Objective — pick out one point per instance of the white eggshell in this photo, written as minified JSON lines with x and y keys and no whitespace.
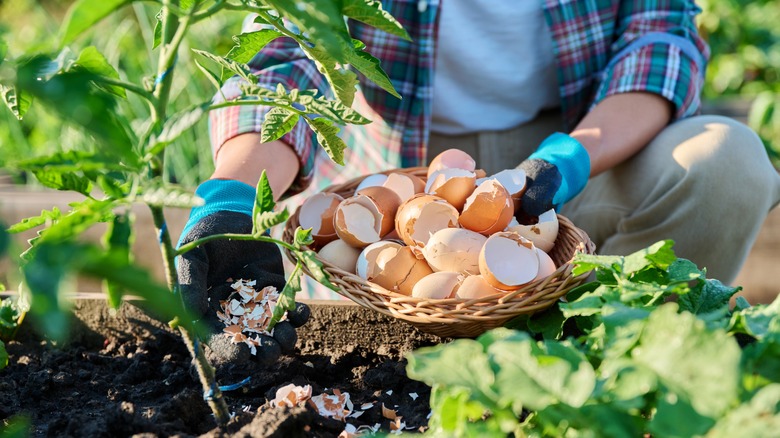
{"x":455,"y":250}
{"x":508,"y":261}
{"x":437,"y":285}
{"x":543,"y":233}
{"x":374,"y":180}
{"x":546,"y":265}
{"x":340,"y":254}
{"x":367,"y":260}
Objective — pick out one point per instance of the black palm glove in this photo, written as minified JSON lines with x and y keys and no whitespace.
{"x":556,"y":173}
{"x":207,"y":272}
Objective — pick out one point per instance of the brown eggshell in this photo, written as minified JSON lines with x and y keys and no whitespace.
{"x":387,"y":202}
{"x":340,"y":254}
{"x":367,"y":264}
{"x":455,"y":250}
{"x":317,"y":213}
{"x":404,"y":185}
{"x":454,"y":185}
{"x":438,"y":285}
{"x":402,"y":272}
{"x":475,"y":286}
{"x":373,"y":180}
{"x":546,"y":265}
{"x":451,"y":159}
{"x":488,"y":210}
{"x":508,"y":261}
{"x":421,"y":216}
{"x":358,"y":221}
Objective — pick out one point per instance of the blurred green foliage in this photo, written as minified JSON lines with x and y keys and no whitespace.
{"x":30,"y":26}
{"x":744,"y":37}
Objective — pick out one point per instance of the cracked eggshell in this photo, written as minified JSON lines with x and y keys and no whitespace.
{"x":508,"y":261}
{"x":543,"y":233}
{"x":340,"y":254}
{"x":404,"y":185}
{"x":374,"y":180}
{"x":368,"y":263}
{"x":438,"y":285}
{"x":317,"y":213}
{"x":513,"y":180}
{"x":366,"y":217}
{"x":402,"y":271}
{"x":546,"y":265}
{"x":455,"y":250}
{"x":475,"y":286}
{"x":488,"y":210}
{"x":451,"y":159}
{"x":454,"y":185}
{"x":421,"y":216}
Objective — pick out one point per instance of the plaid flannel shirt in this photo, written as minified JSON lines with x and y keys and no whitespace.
{"x":602,"y":47}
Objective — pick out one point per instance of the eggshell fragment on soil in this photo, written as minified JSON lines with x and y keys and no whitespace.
{"x":451,"y":159}
{"x":508,"y":261}
{"x":438,"y":285}
{"x":366,"y":217}
{"x":247,"y":312}
{"x":368,"y":263}
{"x":543,"y":233}
{"x":489,"y":209}
{"x":402,"y":271}
{"x":454,"y":185}
{"x":340,"y":254}
{"x":291,"y":396}
{"x":455,"y":250}
{"x":421,"y":216}
{"x":337,"y":406}
{"x":317,"y":213}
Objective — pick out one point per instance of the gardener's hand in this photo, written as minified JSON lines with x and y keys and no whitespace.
{"x":556,"y":172}
{"x":206,"y":272}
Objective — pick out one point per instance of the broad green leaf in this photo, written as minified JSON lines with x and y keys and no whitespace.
{"x":264,"y":200}
{"x":696,"y":364}
{"x":342,"y":81}
{"x":588,"y":304}
{"x":159,"y":194}
{"x":175,"y":126}
{"x":327,"y":136}
{"x":587,"y":262}
{"x":249,"y":44}
{"x":548,"y":323}
{"x":371,"y":13}
{"x":675,"y":417}
{"x":94,"y":62}
{"x":758,"y":418}
{"x":709,"y":296}
{"x":278,"y":122}
{"x":594,"y":420}
{"x":760,"y":365}
{"x":369,"y":66}
{"x":269,"y":219}
{"x":84,"y":14}
{"x":761,"y":322}
{"x":659,"y":254}
{"x":31,"y":222}
{"x":286,"y":300}
{"x":3,"y":356}
{"x":118,"y":239}
{"x":684,"y":270}
{"x":18,"y":101}
{"x":229,"y":66}
{"x":64,"y":181}
{"x":333,"y":110}
{"x":309,"y":259}
{"x":83,"y":215}
{"x":625,"y":384}
{"x":321,"y":22}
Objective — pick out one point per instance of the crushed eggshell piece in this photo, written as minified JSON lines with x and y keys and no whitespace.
{"x":247,"y":312}
{"x":413,"y":395}
{"x":291,"y":395}
{"x":337,"y":406}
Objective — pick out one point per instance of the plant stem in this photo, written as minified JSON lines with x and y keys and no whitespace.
{"x":127,"y":86}
{"x":196,"y":243}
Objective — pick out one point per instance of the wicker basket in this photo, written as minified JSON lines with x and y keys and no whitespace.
{"x":458,"y":317}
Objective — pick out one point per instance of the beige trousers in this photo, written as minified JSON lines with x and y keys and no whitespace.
{"x":705,"y":182}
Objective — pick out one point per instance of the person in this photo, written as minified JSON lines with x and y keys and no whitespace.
{"x":598,"y":101}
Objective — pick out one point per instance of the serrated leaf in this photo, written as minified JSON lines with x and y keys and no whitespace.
{"x":342,"y":81}
{"x":316,"y":270}
{"x":176,"y":125}
{"x":18,"y":101}
{"x":211,"y":76}
{"x":278,"y":122}
{"x":31,"y":222}
{"x":249,"y":44}
{"x":264,"y":197}
{"x":83,"y":215}
{"x":94,"y":62}
{"x":302,"y":237}
{"x":371,"y":13}
{"x":333,"y":110}
{"x":69,"y":161}
{"x":64,"y":181}
{"x":327,"y":136}
{"x":369,"y":66}
{"x":684,"y":270}
{"x":118,"y":239}
{"x":286,"y":300}
{"x":659,"y":255}
{"x":266,"y":220}
{"x":84,"y":14}
{"x":229,"y":66}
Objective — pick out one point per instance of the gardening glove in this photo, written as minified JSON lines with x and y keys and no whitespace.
{"x":206,"y":272}
{"x":556,"y":172}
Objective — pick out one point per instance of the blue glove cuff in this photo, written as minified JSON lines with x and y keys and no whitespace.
{"x":221,"y":195}
{"x":572,"y":161}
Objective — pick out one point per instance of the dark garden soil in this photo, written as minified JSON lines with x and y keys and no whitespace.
{"x":128,"y":374}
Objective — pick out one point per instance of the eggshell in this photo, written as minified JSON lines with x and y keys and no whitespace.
{"x":402,"y":271}
{"x":404,"y":185}
{"x":508,"y":261}
{"x":488,"y":210}
{"x":451,"y":159}
{"x":437,"y":285}
{"x":454,"y":249}
{"x":513,"y":180}
{"x":367,"y":264}
{"x":387,"y":202}
{"x":421,"y":216}
{"x":340,"y":254}
{"x":454,"y":185}
{"x":546,"y":265}
{"x":475,"y":286}
{"x":373,"y":180}
{"x":543,"y":233}
{"x":317,"y":213}
{"x":366,"y":217}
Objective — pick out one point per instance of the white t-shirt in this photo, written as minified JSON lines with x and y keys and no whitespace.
{"x":495,"y":67}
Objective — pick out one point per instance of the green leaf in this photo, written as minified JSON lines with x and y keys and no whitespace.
{"x":18,"y":101}
{"x":118,"y":239}
{"x":43,"y":275}
{"x":278,"y":121}
{"x":759,"y":418}
{"x":269,"y":219}
{"x":249,"y":44}
{"x":309,"y":259}
{"x":369,"y":66}
{"x":327,"y":136}
{"x":16,"y":427}
{"x":70,"y":161}
{"x":761,"y":110}
{"x":684,"y":270}
{"x":587,"y":262}
{"x":333,"y":110}
{"x":229,"y":66}
{"x":83,"y":215}
{"x":286,"y":300}
{"x":264,"y":199}
{"x":94,"y":62}
{"x":343,"y":81}
{"x":64,"y":181}
{"x":371,"y":13}
{"x":302,"y":238}
{"x":157,"y":193}
{"x":675,"y":417}
{"x":709,"y":296}
{"x":157,"y":39}
{"x":211,"y":76}
{"x":659,"y":254}
{"x":3,"y":359}
{"x":83,"y":14}
{"x":52,"y":215}
{"x":760,"y":365}
{"x":761,"y":322}
{"x":175,"y":126}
